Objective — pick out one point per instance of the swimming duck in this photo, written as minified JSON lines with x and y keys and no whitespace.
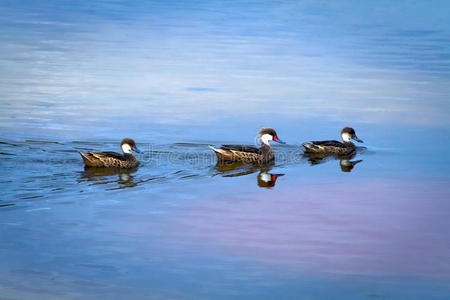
{"x":248,"y":154}
{"x":334,"y":147}
{"x":113,"y":159}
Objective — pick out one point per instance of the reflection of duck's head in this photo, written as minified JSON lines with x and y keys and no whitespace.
{"x":267,"y":180}
{"x":125,"y":177}
{"x":347,"y":165}
{"x":267,"y":134}
{"x":348,"y":134}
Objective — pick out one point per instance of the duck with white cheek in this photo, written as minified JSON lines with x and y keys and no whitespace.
{"x":334,"y":147}
{"x":249,"y":154}
{"x":113,"y":159}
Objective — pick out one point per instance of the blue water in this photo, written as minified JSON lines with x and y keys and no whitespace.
{"x":178,"y":76}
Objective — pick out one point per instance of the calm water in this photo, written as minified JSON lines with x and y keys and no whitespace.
{"x":181,"y":75}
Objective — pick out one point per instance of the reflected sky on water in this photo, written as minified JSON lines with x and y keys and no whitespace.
{"x":182,"y":63}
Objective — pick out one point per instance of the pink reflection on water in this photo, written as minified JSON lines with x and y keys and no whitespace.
{"x":382,"y":227}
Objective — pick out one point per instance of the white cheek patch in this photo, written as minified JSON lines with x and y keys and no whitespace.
{"x":265,"y":138}
{"x":265,"y":177}
{"x":346,"y":137}
{"x":126,"y":148}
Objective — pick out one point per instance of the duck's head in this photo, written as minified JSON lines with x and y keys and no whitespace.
{"x":268,"y":134}
{"x":128,"y":145}
{"x":349,"y":133}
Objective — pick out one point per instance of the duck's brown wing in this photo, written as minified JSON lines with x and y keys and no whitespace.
{"x":246,"y":154}
{"x":107,"y":154}
{"x":327,"y":148}
{"x":102,"y":159}
{"x":109,"y":160}
{"x":319,"y":146}
{"x":328,"y":143}
{"x":240,"y":148}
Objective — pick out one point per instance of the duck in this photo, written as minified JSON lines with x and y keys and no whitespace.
{"x":249,"y":154}
{"x":113,"y":159}
{"x":334,"y":147}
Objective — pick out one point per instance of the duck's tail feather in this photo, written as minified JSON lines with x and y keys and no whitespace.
{"x":217,"y":151}
{"x":222,"y":154}
{"x":88,"y":159}
{"x":309,"y":146}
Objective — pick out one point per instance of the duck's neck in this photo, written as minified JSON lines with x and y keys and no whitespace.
{"x":265,"y":148}
{"x":346,"y":139}
{"x":127,"y":152}
{"x":267,"y":152}
{"x":349,"y":144}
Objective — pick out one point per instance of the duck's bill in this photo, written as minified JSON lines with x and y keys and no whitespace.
{"x":135,"y":149}
{"x":276,"y":139}
{"x":357,"y":139}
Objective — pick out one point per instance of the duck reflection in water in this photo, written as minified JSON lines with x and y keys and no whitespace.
{"x":97,"y":176}
{"x":235,"y":169}
{"x":345,"y":161}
